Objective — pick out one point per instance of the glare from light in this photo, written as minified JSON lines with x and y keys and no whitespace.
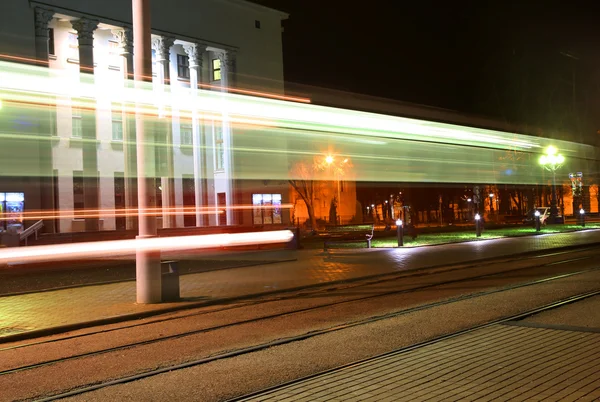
{"x":329,"y":159}
{"x":582,"y":211}
{"x":122,"y":248}
{"x":477,"y":217}
{"x":537,"y":213}
{"x":399,"y":222}
{"x":469,"y":200}
{"x":491,"y":195}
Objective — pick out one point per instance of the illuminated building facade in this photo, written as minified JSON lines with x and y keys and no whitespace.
{"x":218,"y":45}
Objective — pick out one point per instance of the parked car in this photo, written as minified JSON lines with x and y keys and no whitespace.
{"x":530,"y":216}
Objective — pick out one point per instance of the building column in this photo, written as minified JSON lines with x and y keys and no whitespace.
{"x":162,"y":46}
{"x":125,"y":39}
{"x":195,"y":52}
{"x":228,"y":67}
{"x":46,"y":176}
{"x":85,"y":36}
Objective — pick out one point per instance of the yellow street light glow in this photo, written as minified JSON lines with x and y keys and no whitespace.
{"x":329,"y":159}
{"x":551,"y":160}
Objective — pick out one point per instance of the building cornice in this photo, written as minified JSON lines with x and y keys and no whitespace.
{"x":258,"y":7}
{"x":126,"y":24}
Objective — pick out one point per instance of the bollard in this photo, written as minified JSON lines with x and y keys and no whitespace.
{"x":582,"y":214}
{"x":537,"y":221}
{"x":170,"y":281}
{"x":400,"y":232}
{"x":478,"y":225}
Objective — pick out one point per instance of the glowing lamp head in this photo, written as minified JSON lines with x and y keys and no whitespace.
{"x":537,"y":213}
{"x":582,"y":211}
{"x":398,"y":222}
{"x":551,"y":150}
{"x":372,"y":205}
{"x":491,"y":195}
{"x":329,"y":159}
{"x":469,"y":200}
{"x":477,"y":217}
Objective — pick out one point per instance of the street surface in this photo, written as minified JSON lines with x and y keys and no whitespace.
{"x":303,"y":332}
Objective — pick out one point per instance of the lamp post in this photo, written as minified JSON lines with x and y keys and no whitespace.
{"x":552,"y":161}
{"x":478,"y":225}
{"x":492,"y":202}
{"x":399,"y":232}
{"x":582,"y":215}
{"x":537,"y":221}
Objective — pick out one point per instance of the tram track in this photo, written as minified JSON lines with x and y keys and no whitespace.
{"x":312,"y":334}
{"x":312,"y":309}
{"x":311,"y":291}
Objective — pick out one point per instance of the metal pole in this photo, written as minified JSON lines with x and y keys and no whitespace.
{"x":148,"y":274}
{"x":553,"y":203}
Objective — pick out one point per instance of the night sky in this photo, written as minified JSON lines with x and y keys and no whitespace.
{"x":496,"y":58}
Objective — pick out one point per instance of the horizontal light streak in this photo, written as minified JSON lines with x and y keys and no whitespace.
{"x":120,"y":212}
{"x":285,"y":114}
{"x":120,"y":248}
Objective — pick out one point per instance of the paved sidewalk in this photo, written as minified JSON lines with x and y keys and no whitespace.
{"x":501,"y":362}
{"x":35,"y":312}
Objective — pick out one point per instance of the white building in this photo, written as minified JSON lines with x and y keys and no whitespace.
{"x":220,"y":45}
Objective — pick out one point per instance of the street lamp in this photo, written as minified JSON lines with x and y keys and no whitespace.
{"x":478,"y":225}
{"x":492,"y":202}
{"x":537,"y":220}
{"x":399,"y":232}
{"x":552,"y":161}
{"x":582,"y":214}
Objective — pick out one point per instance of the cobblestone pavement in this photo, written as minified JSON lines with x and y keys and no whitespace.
{"x":502,"y":362}
{"x":37,"y":311}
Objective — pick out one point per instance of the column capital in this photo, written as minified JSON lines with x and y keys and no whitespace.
{"x":42,"y":18}
{"x":162,"y":46}
{"x":124,"y":37}
{"x":85,"y":30}
{"x":228,"y":59}
{"x":194,"y":52}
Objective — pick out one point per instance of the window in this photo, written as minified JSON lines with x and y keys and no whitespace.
{"x":117,"y":123}
{"x":51,"y":49}
{"x":219,"y":148}
{"x":78,"y":204}
{"x":266,"y":209}
{"x":119,"y":183}
{"x":183,"y":66}
{"x":185,"y":131}
{"x":216,"y":67}
{"x":189,"y":200}
{"x":77,"y":129}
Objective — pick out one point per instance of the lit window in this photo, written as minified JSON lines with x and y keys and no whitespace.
{"x":266,"y":209}
{"x":216,"y":66}
{"x":219,"y":148}
{"x":185,"y":131}
{"x":77,"y":130}
{"x":183,"y":66}
{"x":117,"y":123}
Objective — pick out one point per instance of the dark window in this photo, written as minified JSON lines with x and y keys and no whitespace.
{"x":189,"y":201}
{"x":51,"y":41}
{"x":222,"y":201}
{"x":119,"y":201}
{"x":78,"y":204}
{"x":257,"y":24}
{"x":183,"y":66}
